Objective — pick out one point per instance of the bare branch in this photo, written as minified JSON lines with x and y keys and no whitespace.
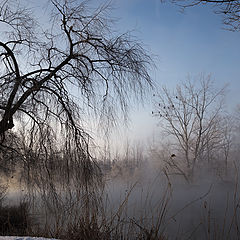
{"x":229,"y":9}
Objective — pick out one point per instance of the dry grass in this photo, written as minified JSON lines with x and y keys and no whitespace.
{"x":67,"y":214}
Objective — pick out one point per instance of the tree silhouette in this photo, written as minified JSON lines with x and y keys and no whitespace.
{"x":192,"y":116}
{"x":60,"y":67}
{"x":229,"y":9}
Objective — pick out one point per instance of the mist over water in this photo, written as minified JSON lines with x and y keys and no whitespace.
{"x":146,"y":197}
{"x":206,"y":208}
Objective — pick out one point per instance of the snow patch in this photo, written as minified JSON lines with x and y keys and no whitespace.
{"x":25,"y":238}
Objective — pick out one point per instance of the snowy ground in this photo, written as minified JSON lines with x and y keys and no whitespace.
{"x":24,"y":238}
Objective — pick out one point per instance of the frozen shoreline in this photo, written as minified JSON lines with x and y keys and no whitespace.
{"x":24,"y":238}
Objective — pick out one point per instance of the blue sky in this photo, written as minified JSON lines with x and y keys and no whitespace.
{"x":186,"y":43}
{"x":192,"y":42}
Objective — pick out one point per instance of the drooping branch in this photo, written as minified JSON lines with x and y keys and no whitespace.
{"x":70,"y":67}
{"x":229,"y":9}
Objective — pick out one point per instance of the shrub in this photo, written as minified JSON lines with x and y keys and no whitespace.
{"x":14,"y":220}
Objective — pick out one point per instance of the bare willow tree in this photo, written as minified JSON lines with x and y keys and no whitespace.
{"x":58,"y":68}
{"x":229,"y":9}
{"x":191,"y":115}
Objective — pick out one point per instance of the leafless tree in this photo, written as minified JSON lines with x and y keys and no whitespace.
{"x":229,"y":9}
{"x":227,"y":140}
{"x":191,"y":115}
{"x":60,"y":67}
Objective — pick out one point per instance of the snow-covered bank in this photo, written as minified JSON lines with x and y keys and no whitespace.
{"x":25,"y":238}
